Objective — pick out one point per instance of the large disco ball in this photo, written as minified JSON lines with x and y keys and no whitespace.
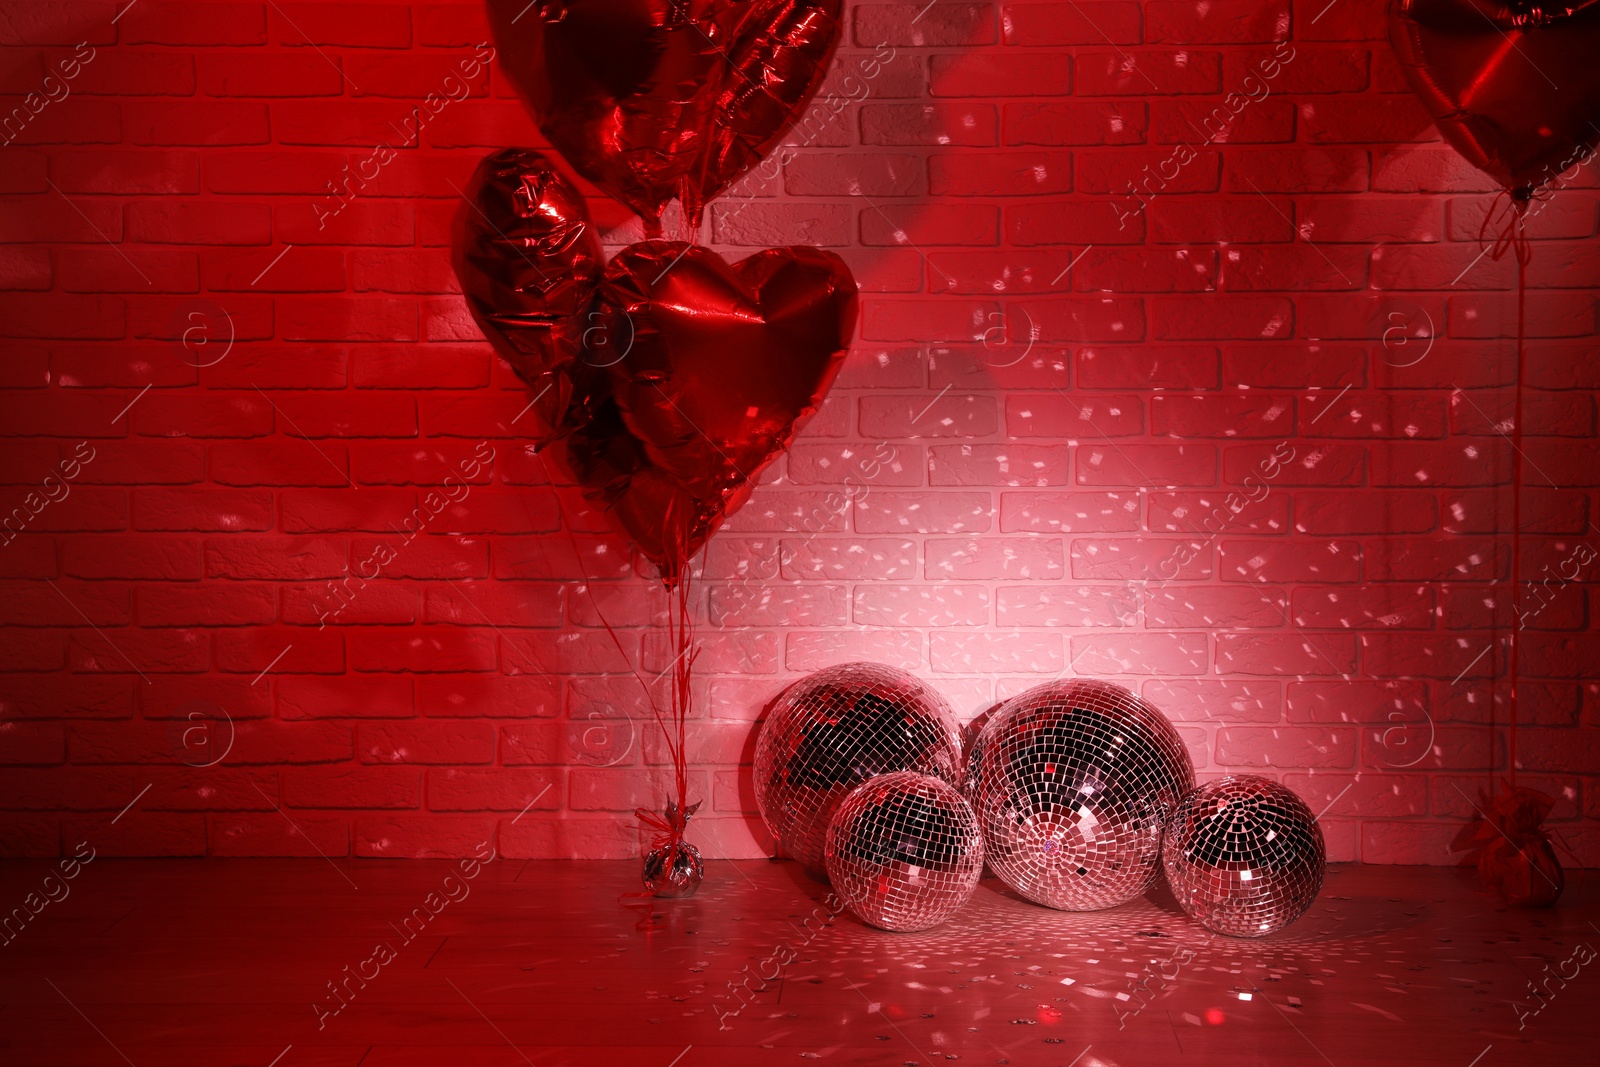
{"x":1072,"y":783}
{"x":904,"y":851}
{"x":833,"y":730}
{"x":1244,"y":855}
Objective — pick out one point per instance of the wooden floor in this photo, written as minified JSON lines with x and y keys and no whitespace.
{"x":168,"y":963}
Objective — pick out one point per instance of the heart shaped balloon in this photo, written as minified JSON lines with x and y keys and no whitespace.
{"x":655,"y":99}
{"x":1514,"y":86}
{"x":713,"y":368}
{"x":529,"y":261}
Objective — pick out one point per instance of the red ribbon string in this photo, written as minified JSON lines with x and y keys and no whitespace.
{"x":1513,"y":237}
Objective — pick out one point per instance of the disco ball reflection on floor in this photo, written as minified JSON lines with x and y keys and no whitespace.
{"x":834,"y":729}
{"x":1072,"y":782}
{"x":904,"y":851}
{"x":1244,"y":855}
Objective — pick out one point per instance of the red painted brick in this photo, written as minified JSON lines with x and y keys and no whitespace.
{"x":995,"y":558}
{"x":352,"y":787}
{"x":971,"y":125}
{"x":902,"y":513}
{"x":43,"y":696}
{"x":140,"y":652}
{"x":926,"y":320}
{"x":903,"y":606}
{"x":425,"y":742}
{"x":1069,"y":512}
{"x":186,"y":605}
{"x":131,"y":557}
{"x":995,"y":173}
{"x":854,"y":466}
{"x":1098,"y":318}
{"x":297,"y":558}
{"x":1138,"y":654}
{"x":1085,"y":123}
{"x":1271,"y":366}
{"x":983,"y":653}
{"x":1380,"y":118}
{"x":950,"y":24}
{"x":1408,"y":607}
{"x":1369,"y":512}
{"x":263,"y":652}
{"x":1308,"y":464}
{"x":1570,"y":215}
{"x":914,"y":416}
{"x":1283,"y":561}
{"x":278,"y":462}
{"x":1204,"y":221}
{"x":428,"y":556}
{"x":935,"y":224}
{"x":1194,"y":700}
{"x":847,"y":175}
{"x":1176,"y":21}
{"x":330,"y":603}
{"x":1008,"y":465}
{"x":1212,"y":513}
{"x":41,"y":744}
{"x":1146,"y":465}
{"x":1146,"y":366}
{"x":1075,"y":296}
{"x":1295,"y":654}
{"x":1231,"y":120}
{"x":760,"y":225}
{"x":375,"y":697}
{"x":1136,"y":559}
{"x":362,"y":25}
{"x":160,"y":22}
{"x":1134,"y":73}
{"x":1268,"y":268}
{"x":987,"y":75}
{"x":1065,"y":606}
{"x":32,"y":650}
{"x":1095,"y":23}
{"x":1142,"y":171}
{"x":1237,"y":415}
{"x":24,"y":268}
{"x":841,"y":559}
{"x":1194,"y":317}
{"x":1257,"y":746}
{"x":1215,"y":607}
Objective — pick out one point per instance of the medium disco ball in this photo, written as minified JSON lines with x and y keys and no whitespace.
{"x":1072,"y":783}
{"x":1244,"y":855}
{"x":833,"y":730}
{"x":904,"y":851}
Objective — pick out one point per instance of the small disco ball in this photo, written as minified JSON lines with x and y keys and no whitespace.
{"x":1244,"y":855}
{"x":833,"y":730}
{"x":1072,"y":783}
{"x":904,"y":851}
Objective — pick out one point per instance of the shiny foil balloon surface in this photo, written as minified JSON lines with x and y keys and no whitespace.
{"x":834,"y":729}
{"x":673,"y":870}
{"x":713,"y":367}
{"x":1072,"y":783}
{"x":655,"y":99}
{"x":1244,"y":855}
{"x":904,"y":851}
{"x":529,"y":262}
{"x":1514,"y":87}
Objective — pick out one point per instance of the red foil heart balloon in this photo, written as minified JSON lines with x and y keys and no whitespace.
{"x":713,"y":369}
{"x":655,"y":99}
{"x":529,"y":262}
{"x":1514,"y":86}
